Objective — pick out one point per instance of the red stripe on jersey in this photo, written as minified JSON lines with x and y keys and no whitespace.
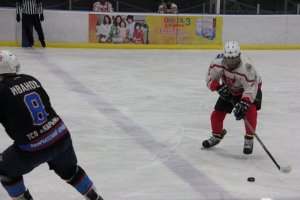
{"x":224,"y":68}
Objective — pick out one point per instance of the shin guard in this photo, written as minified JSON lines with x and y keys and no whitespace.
{"x":14,"y":186}
{"x":80,"y":181}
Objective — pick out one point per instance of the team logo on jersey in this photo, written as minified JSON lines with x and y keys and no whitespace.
{"x":229,"y":81}
{"x":248,"y":67}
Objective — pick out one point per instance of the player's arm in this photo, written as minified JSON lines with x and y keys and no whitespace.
{"x":95,"y":7}
{"x":213,"y":81}
{"x":161,"y":9}
{"x":174,"y":9}
{"x":213,"y":75}
{"x":110,"y":8}
{"x":18,"y":10}
{"x":250,"y":84}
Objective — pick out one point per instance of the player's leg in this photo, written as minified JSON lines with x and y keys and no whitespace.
{"x":11,"y":175}
{"x":65,"y":165}
{"x":15,"y":187}
{"x":26,"y":23}
{"x":218,"y":133}
{"x":77,"y":177}
{"x":217,"y":117}
{"x":38,"y":27}
{"x":251,"y":117}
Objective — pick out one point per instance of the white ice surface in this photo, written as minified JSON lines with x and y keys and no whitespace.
{"x":138,"y":118}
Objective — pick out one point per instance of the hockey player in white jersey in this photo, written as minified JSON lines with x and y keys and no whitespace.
{"x":233,"y":76}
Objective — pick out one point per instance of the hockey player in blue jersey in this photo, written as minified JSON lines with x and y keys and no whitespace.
{"x":39,"y":134}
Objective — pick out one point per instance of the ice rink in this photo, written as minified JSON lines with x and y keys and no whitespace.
{"x":138,"y":118}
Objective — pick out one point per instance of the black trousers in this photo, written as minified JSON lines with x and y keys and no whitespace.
{"x":27,"y":20}
{"x":226,"y":106}
{"x":15,"y":163}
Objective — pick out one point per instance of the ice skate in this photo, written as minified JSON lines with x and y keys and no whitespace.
{"x":92,"y":195}
{"x":25,"y":196}
{"x":248,"y":144}
{"x":214,"y":139}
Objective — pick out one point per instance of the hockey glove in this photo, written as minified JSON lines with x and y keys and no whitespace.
{"x":18,"y":18}
{"x":224,"y":92}
{"x":241,"y":109}
{"x":42,"y":17}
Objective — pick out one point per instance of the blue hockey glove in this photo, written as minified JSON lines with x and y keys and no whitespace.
{"x":241,"y":109}
{"x":224,"y":92}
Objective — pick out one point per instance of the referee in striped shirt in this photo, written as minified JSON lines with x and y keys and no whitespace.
{"x":32,"y":13}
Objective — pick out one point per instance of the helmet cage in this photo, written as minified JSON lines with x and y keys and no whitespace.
{"x":232,"y":62}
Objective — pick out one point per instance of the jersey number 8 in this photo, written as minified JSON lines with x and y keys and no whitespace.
{"x":36,"y":108}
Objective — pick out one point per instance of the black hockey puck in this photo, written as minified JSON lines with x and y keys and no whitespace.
{"x":251,"y":179}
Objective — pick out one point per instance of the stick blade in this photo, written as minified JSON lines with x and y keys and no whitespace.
{"x":287,"y":169}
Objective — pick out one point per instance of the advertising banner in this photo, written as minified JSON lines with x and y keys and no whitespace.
{"x":155,"y":29}
{"x":118,"y":29}
{"x":201,"y":30}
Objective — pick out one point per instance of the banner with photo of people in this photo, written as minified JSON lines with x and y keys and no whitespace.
{"x":118,"y":29}
{"x":155,"y":29}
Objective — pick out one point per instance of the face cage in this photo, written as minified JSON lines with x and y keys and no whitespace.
{"x":232,"y":62}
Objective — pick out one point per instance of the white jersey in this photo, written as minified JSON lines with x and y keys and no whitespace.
{"x":163,"y":9}
{"x":98,"y":7}
{"x":243,"y":80}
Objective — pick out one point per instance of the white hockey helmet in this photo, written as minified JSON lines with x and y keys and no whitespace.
{"x":9,"y":64}
{"x":231,"y":53}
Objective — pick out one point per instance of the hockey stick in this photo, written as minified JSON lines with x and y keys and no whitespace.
{"x":281,"y":169}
